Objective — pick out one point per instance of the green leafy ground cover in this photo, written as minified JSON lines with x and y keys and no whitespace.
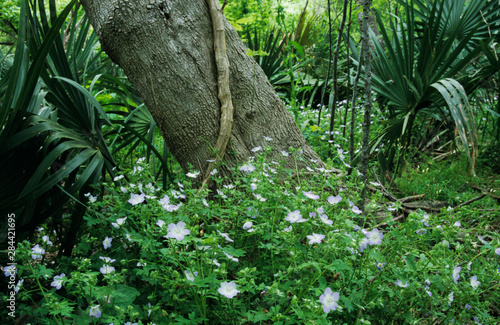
{"x":271,"y":246}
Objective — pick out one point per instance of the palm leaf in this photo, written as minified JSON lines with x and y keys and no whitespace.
{"x":458,"y":103}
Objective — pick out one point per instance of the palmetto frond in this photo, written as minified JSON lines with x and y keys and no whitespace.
{"x":416,"y":70}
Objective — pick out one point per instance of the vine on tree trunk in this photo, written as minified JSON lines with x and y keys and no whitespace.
{"x":224,"y":93}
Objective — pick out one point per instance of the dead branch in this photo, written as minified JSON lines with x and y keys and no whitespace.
{"x":470,"y":201}
{"x":412,"y":198}
{"x":487,"y":191}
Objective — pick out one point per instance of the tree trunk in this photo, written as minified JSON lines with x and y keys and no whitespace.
{"x":166,"y":48}
{"x":365,"y":148}
{"x":332,"y":104}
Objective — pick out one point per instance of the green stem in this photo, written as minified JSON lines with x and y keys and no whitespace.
{"x":305,"y":289}
{"x":41,"y":287}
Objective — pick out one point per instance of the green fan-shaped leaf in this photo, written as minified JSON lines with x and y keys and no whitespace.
{"x":458,"y":103}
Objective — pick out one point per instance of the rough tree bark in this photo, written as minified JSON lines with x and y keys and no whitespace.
{"x":166,"y":48}
{"x":365,"y":148}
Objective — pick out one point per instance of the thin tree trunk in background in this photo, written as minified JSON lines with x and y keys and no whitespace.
{"x":329,"y":62}
{"x":335,"y":87}
{"x":365,"y":149}
{"x":166,"y":48}
{"x":348,"y":68}
{"x":498,"y":109}
{"x":354,"y":106}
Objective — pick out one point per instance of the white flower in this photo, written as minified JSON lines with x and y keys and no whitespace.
{"x":323,"y":216}
{"x":177,"y":194}
{"x":259,"y":197}
{"x":329,"y":300}
{"x":334,"y":199}
{"x":107,"y":242}
{"x":190,"y":275}
{"x":400,"y":284}
{"x":215,"y":262}
{"x":474,"y":283}
{"x":193,"y":175}
{"x":117,"y":178}
{"x":284,"y":153}
{"x":177,"y":231}
{"x":362,"y":244}
{"x":222,"y":195}
{"x":268,"y":138}
{"x":356,"y":210}
{"x":92,"y":199}
{"x":247,"y":168}
{"x":136,"y":198}
{"x":151,"y":188}
{"x":247,"y":225}
{"x":37,"y":252}
{"x":46,"y":240}
{"x":119,"y":222}
{"x":18,"y":285}
{"x":228,"y":289}
{"x":107,"y":259}
{"x":295,"y":216}
{"x":310,"y":195}
{"x":58,"y":280}
{"x":171,"y":207}
{"x":324,"y":219}
{"x":160,"y":223}
{"x":256,"y":149}
{"x":315,"y":238}
{"x":95,"y":312}
{"x":234,"y":259}
{"x":106,"y":269}
{"x":421,"y":231}
{"x":425,"y":219}
{"x":374,"y":237}
{"x":253,"y":186}
{"x":450,"y":298}
{"x":456,"y":273}
{"x":225,"y":235}
{"x":165,"y":200}
{"x":457,"y":224}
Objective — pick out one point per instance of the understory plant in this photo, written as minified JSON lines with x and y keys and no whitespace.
{"x":269,"y":246}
